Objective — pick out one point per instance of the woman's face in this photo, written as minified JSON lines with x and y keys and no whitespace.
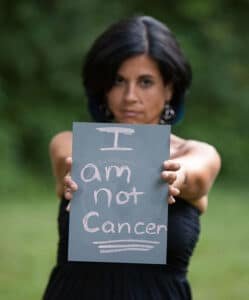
{"x":139,"y":94}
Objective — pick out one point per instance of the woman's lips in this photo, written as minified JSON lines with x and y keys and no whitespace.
{"x":130,"y":113}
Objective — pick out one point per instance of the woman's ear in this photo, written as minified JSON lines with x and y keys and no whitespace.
{"x":168,"y":92}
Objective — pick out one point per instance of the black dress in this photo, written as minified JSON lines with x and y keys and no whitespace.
{"x":105,"y":281}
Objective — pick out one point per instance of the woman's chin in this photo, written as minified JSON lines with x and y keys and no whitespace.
{"x":129,"y":120}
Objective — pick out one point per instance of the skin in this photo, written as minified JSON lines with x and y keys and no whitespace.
{"x":139,"y":93}
{"x":138,"y":97}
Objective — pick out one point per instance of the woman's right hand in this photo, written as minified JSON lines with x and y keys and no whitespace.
{"x":70,"y":186}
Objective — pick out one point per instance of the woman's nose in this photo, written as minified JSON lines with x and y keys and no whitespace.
{"x":131,"y":93}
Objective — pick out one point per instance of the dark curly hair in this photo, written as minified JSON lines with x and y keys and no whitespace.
{"x":127,"y":38}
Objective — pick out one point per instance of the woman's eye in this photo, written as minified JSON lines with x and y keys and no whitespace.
{"x":118,"y":80}
{"x":146,"y":82}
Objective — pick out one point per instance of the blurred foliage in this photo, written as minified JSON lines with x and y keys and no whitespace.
{"x":42,"y":46}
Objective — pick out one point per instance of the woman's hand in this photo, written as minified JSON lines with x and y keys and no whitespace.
{"x":69,"y":185}
{"x":171,"y":174}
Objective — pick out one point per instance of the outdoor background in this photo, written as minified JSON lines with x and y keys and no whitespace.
{"x":42,"y":47}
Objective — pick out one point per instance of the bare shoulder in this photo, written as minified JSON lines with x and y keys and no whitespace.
{"x":185,"y":145}
{"x":61,"y":144}
{"x":178,"y":146}
{"x":201,"y":163}
{"x":204,"y":149}
{"x":63,"y":136}
{"x":196,"y":154}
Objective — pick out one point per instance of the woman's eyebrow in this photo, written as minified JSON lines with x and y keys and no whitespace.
{"x":120,"y":75}
{"x":147,"y":75}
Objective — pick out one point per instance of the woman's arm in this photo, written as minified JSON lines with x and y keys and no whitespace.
{"x":199,"y":164}
{"x":59,"y":149}
{"x":60,"y":153}
{"x":190,"y":172}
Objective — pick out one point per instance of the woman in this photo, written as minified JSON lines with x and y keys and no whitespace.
{"x":136,"y":73}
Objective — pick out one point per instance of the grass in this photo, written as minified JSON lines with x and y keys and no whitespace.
{"x":28,"y":244}
{"x":219,"y":268}
{"x":28,"y":231}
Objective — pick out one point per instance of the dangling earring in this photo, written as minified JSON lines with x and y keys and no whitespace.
{"x":168,"y":114}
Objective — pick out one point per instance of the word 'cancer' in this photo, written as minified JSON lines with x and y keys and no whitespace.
{"x":139,"y":228}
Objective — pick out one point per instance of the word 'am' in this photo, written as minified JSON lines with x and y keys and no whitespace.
{"x":90,"y":172}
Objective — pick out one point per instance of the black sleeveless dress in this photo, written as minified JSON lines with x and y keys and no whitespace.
{"x":106,"y":281}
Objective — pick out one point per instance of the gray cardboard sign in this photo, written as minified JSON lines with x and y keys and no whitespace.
{"x":119,"y":212}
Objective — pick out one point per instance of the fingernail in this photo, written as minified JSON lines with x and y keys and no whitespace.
{"x":165,"y":163}
{"x":172,"y":200}
{"x":67,"y":195}
{"x":177,"y":191}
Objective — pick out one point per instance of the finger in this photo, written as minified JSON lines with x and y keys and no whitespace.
{"x":74,"y":186}
{"x":170,"y":177}
{"x":69,"y":183}
{"x":68,"y":163}
{"x":171,"y":165}
{"x":171,"y":200}
{"x":68,"y":194}
{"x":173,"y":191}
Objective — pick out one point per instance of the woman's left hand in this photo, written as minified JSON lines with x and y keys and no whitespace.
{"x":170,"y":175}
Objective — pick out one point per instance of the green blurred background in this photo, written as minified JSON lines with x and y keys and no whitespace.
{"x":42,"y":47}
